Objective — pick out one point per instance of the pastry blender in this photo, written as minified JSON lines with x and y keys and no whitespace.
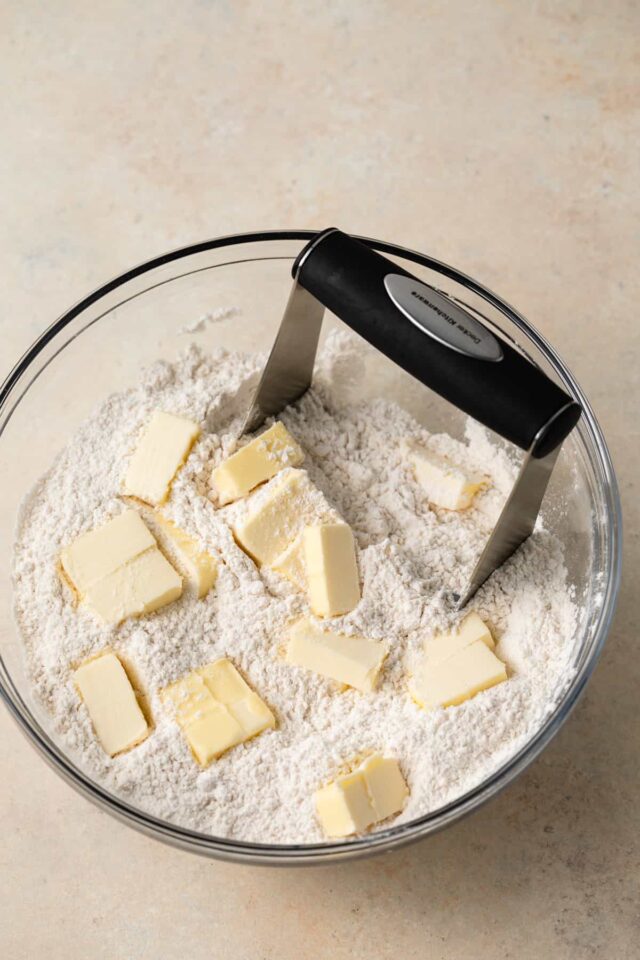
{"x":438,"y":342}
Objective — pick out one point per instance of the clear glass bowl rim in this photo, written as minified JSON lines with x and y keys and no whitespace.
{"x":385,"y":840}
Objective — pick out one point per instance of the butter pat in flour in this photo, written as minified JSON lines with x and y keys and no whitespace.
{"x":468,"y":671}
{"x":142,"y":586}
{"x":291,"y":564}
{"x":258,"y":461}
{"x":331,"y":568}
{"x":354,"y":661}
{"x":118,"y":571}
{"x":386,"y":785}
{"x":111,"y":702}
{"x":277,"y":515}
{"x":344,"y":806}
{"x":162,"y":449}
{"x":445,"y":484}
{"x":216,"y":710}
{"x":230,"y":689}
{"x":373,"y":792}
{"x":444,"y":645}
{"x":94,"y":555}
{"x":201,"y":567}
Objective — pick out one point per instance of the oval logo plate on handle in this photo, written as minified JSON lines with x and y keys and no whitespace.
{"x":440,"y":318}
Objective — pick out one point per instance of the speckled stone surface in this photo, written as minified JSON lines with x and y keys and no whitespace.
{"x":500,"y":137}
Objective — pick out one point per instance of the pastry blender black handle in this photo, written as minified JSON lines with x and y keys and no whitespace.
{"x":435,"y":340}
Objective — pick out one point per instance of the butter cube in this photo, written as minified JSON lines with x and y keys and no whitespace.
{"x":224,"y":682}
{"x":255,"y":463}
{"x":373,"y":792}
{"x":449,"y":682}
{"x":212,"y":732}
{"x":216,"y":710}
{"x":118,"y":570}
{"x":344,"y":806}
{"x":387,"y":787}
{"x":353,"y":661}
{"x":444,"y":645}
{"x":291,"y":564}
{"x":143,"y":585}
{"x":210,"y":728}
{"x":116,"y":716}
{"x":201,"y":567}
{"x":161,"y":451}
{"x":98,"y":553}
{"x":189,"y":697}
{"x":445,"y":484}
{"x":332,"y":569}
{"x":287,"y":505}
{"x":228,"y":687}
{"x":252,"y":714}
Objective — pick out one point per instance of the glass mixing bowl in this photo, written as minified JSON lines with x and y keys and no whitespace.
{"x":99,"y":346}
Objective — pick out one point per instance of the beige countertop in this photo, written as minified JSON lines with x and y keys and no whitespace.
{"x":500,"y":137}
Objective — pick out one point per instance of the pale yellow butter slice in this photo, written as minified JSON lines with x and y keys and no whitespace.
{"x":445,"y":484}
{"x":216,"y":710}
{"x":224,"y":682}
{"x":444,"y":645}
{"x":287,"y":505}
{"x":291,"y":564}
{"x":386,"y":785}
{"x":201,"y":567}
{"x":213,"y":732}
{"x":189,"y":697}
{"x":461,"y":676}
{"x":116,"y":716}
{"x":252,"y":714}
{"x":262,"y":458}
{"x":161,"y":451}
{"x":141,"y":586}
{"x":118,"y":570}
{"x":98,"y":553}
{"x":210,"y":728}
{"x":373,"y":792}
{"x":229,"y":688}
{"x":354,"y":661}
{"x":344,"y":806}
{"x":332,"y":570}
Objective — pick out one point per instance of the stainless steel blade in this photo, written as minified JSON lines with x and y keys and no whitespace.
{"x":515,"y":523}
{"x":289,"y":369}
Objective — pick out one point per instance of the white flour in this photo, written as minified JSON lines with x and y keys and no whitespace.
{"x":409,"y":556}
{"x":212,"y":316}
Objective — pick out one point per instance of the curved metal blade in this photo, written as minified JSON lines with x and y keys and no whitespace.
{"x":515,"y":523}
{"x":289,"y":369}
